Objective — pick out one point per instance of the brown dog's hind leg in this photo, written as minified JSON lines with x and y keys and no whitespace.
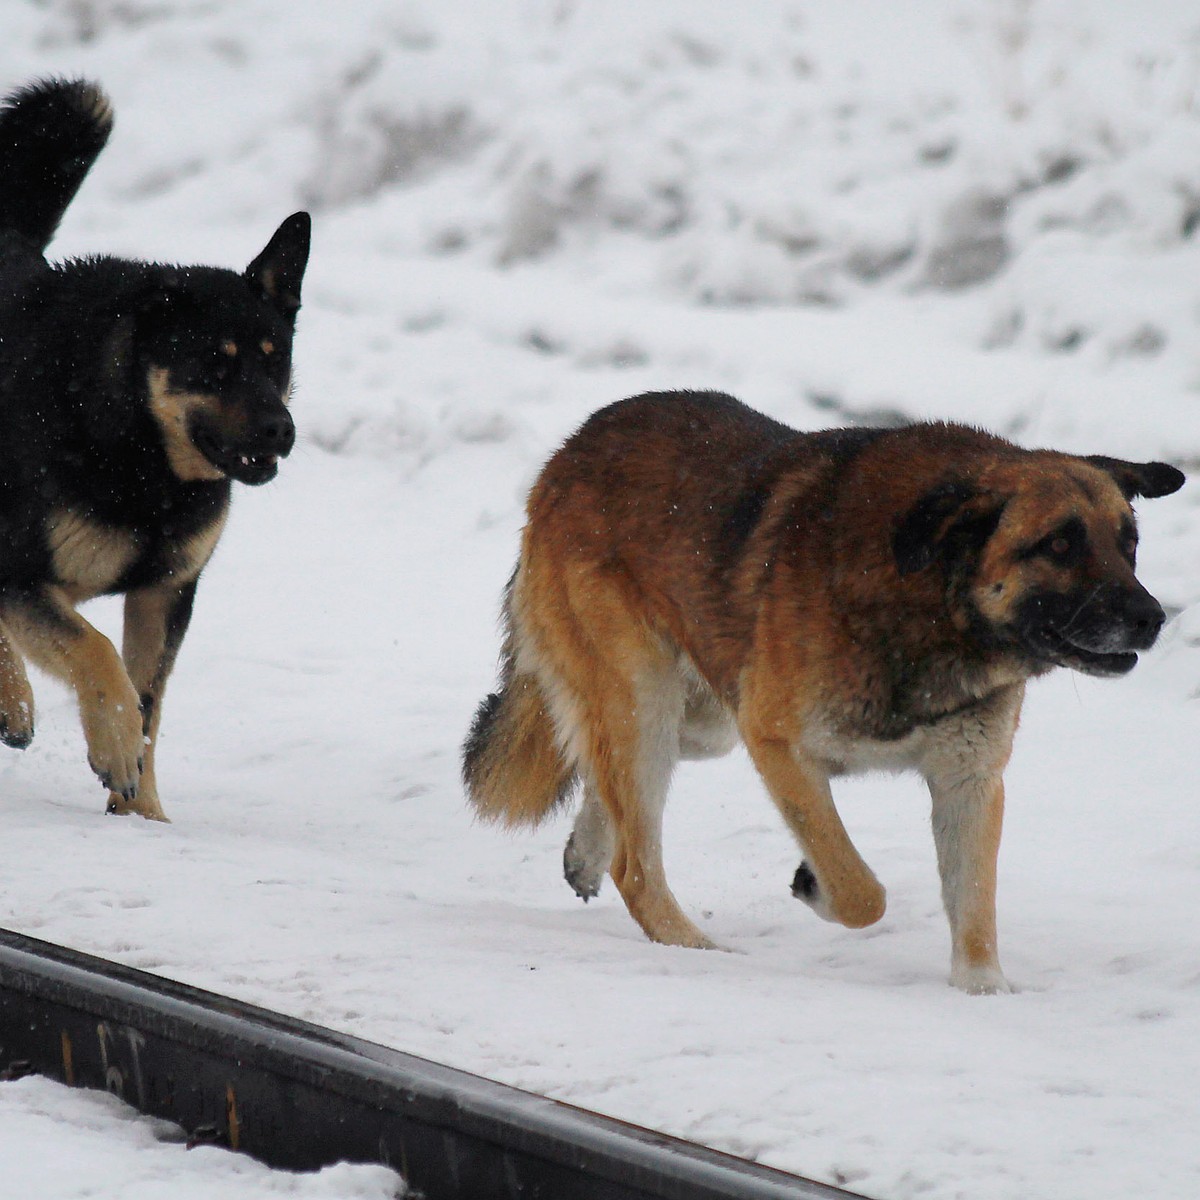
{"x":618,"y":699}
{"x":589,"y":850}
{"x":16,"y":697}
{"x":633,"y":736}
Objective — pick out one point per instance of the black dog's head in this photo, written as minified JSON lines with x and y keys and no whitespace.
{"x":1039,"y":553}
{"x":216,"y":348}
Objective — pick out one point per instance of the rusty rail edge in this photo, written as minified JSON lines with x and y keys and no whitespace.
{"x":298,"y":1096}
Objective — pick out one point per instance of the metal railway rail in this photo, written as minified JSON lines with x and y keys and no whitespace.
{"x":298,"y":1096}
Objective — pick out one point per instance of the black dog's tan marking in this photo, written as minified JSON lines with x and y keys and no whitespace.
{"x":693,"y":572}
{"x":87,"y":558}
{"x":131,"y":395}
{"x":175,"y":411}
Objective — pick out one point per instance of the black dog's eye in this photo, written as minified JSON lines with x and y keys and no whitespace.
{"x":224,"y":360}
{"x":1059,"y":547}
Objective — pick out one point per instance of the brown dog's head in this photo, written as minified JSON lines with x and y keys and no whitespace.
{"x":1039,"y":552}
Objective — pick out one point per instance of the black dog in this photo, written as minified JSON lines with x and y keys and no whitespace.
{"x":131,"y":394}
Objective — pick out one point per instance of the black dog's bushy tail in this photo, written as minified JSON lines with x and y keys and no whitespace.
{"x":50,"y":134}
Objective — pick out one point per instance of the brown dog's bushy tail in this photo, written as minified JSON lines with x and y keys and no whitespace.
{"x":513,"y":768}
{"x":50,"y":134}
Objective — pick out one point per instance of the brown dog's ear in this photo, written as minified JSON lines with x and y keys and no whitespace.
{"x":949,"y":522}
{"x":1140,"y":479}
{"x":279,"y":269}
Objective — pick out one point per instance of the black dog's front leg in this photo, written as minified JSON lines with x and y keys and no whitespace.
{"x":16,"y":697}
{"x":156,"y":619}
{"x":45,"y":628}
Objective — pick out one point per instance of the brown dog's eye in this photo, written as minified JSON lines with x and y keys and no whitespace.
{"x":1127,"y":541}
{"x":1063,"y":546}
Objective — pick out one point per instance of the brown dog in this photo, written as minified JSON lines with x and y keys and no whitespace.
{"x":844,"y":601}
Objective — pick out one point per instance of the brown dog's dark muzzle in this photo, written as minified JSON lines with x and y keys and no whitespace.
{"x":1144,"y":617}
{"x":1115,"y":619}
{"x":1099,"y":632}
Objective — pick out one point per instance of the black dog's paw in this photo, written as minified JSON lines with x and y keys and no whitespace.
{"x":127,"y":791}
{"x":804,"y":884}
{"x":18,"y":737}
{"x":581,"y":874}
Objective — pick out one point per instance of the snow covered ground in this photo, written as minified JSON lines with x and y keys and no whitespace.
{"x":524,"y":209}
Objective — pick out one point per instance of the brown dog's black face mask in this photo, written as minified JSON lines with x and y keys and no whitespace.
{"x":1042,"y":561}
{"x":1094,"y":625}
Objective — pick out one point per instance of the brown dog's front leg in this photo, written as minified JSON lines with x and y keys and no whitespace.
{"x":838,"y":885}
{"x":964,"y":770}
{"x":967,"y":818}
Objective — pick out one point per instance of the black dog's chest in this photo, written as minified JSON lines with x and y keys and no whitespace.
{"x":90,"y":557}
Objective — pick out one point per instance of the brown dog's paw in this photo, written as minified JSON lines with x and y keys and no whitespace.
{"x":583,"y":874}
{"x":982,"y":980}
{"x":804,"y":884}
{"x":854,"y":909}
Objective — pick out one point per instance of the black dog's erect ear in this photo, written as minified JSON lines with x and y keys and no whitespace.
{"x":1150,"y":479}
{"x":279,"y":269}
{"x":950,"y":520}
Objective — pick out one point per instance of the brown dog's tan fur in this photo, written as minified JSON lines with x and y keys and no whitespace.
{"x":692,"y":571}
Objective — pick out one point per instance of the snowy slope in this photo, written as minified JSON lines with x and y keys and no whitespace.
{"x":984,"y":211}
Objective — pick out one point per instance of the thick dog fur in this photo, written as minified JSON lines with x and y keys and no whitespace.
{"x":131,"y":395}
{"x":693,"y":571}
